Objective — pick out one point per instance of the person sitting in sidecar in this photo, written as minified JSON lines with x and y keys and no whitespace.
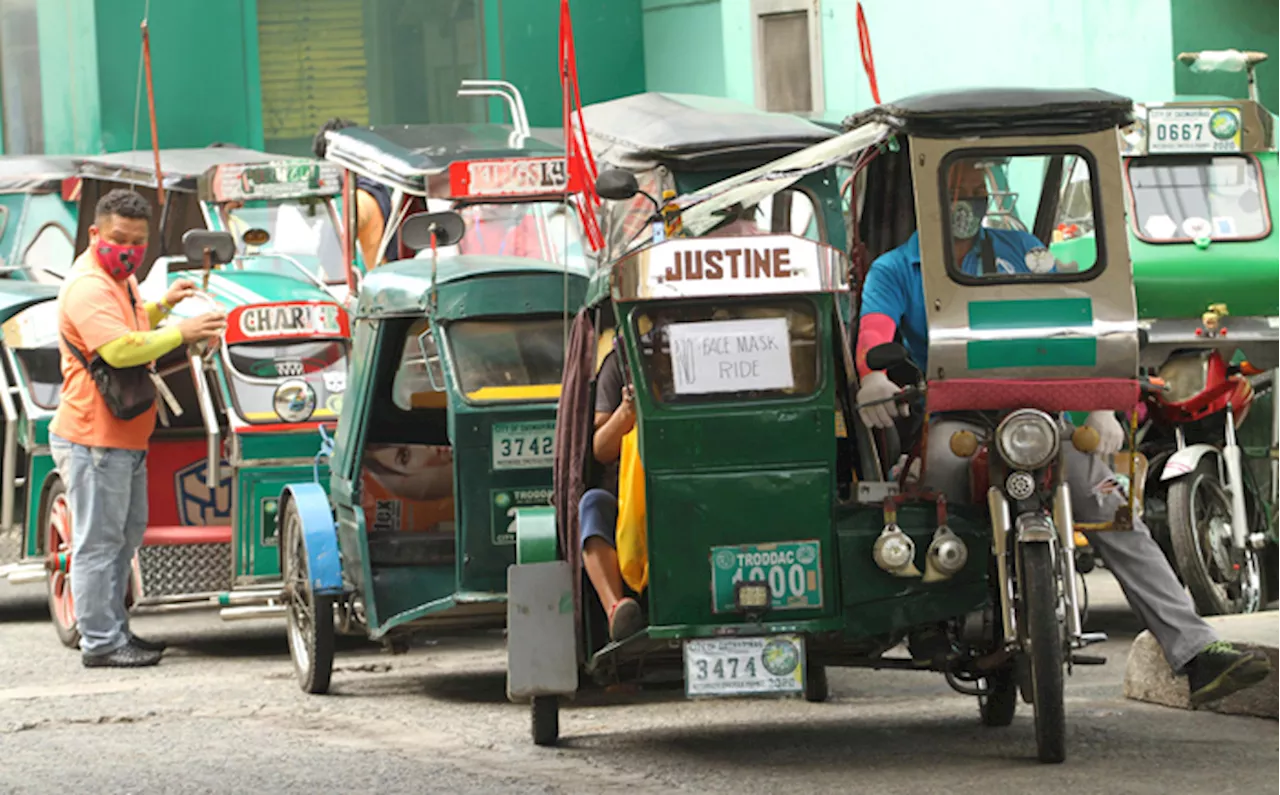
{"x":615,"y":416}
{"x":893,"y":302}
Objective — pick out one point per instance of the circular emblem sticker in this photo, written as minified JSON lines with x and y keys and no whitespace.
{"x":725,"y":559}
{"x":294,"y":400}
{"x":806,"y":554}
{"x":502,"y":499}
{"x":780,"y":657}
{"x":334,"y":404}
{"x":1223,"y":124}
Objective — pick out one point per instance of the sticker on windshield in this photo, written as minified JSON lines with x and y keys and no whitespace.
{"x":719,"y":356}
{"x":1160,"y":227}
{"x":335,"y":381}
{"x":1224,"y":226}
{"x":1196,"y":227}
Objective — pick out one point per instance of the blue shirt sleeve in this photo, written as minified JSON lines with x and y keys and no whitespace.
{"x":885,"y":291}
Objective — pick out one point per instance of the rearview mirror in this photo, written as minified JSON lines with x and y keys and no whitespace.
{"x":617,"y":184}
{"x":887,"y":355}
{"x":446,"y":227}
{"x":220,"y":245}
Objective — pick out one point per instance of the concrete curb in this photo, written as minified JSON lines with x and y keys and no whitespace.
{"x":1147,"y":676}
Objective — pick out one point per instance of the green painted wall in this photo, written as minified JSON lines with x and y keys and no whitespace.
{"x":608,"y":37}
{"x":206,"y":84}
{"x":684,"y":47}
{"x":1222,"y":25}
{"x":69,"y":77}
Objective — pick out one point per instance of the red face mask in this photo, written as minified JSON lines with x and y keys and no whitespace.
{"x":120,"y":261}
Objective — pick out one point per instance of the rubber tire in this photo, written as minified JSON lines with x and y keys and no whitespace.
{"x":999,"y":707}
{"x":1186,"y":548}
{"x":544,"y":714}
{"x":816,"y":688}
{"x":314,"y":673}
{"x":68,"y":634}
{"x":1043,"y":633}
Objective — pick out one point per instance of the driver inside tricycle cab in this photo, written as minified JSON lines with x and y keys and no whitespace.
{"x":987,"y":245}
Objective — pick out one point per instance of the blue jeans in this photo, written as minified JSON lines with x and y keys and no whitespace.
{"x":598,"y":516}
{"x":107,"y":495}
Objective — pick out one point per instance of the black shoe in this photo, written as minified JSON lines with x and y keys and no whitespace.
{"x":126,"y":656}
{"x":147,"y":645}
{"x":1221,"y":669}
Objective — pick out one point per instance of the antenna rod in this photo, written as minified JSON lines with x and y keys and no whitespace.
{"x":151,"y":107}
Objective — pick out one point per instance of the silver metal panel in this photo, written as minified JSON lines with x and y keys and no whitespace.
{"x":1257,"y":337}
{"x":179,"y":569}
{"x":541,"y":645}
{"x":1111,"y":292}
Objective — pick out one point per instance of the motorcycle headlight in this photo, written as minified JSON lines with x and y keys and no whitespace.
{"x":1027,"y":439}
{"x":1185,"y":376}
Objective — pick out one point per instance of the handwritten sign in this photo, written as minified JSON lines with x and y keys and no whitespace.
{"x":720,"y":356}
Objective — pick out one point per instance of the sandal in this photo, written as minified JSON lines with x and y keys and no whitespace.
{"x":625,"y":619}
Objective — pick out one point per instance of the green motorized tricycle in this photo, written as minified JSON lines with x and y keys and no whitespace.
{"x":1201,"y":181}
{"x":759,"y":571}
{"x":447,"y":425}
{"x":237,"y":420}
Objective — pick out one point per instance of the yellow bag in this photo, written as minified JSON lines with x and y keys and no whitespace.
{"x":632,"y":540}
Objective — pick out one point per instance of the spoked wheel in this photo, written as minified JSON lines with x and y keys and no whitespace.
{"x":1001,"y":701}
{"x":1200,"y":533}
{"x":310,"y":617}
{"x":57,"y":546}
{"x":1043,"y":644}
{"x":816,"y":688}
{"x":545,"y":714}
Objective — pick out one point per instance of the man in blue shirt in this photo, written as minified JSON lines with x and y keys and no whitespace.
{"x":893,"y":303}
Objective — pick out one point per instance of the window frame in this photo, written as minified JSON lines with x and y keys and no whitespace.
{"x":1131,"y":200}
{"x":944,"y":202}
{"x":71,"y":242}
{"x":764,"y":8}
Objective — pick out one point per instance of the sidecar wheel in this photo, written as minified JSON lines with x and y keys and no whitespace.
{"x":1001,"y":701}
{"x":1043,"y":645}
{"x":816,"y":689}
{"x":545,"y":714}
{"x":310,"y":616}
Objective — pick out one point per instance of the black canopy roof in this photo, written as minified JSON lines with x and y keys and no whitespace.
{"x":997,"y":111}
{"x":692,"y":132}
{"x":182,"y":167}
{"x":34,"y":173}
{"x":405,"y":156}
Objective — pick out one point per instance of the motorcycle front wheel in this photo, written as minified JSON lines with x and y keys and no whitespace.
{"x":1043,"y":645}
{"x":1200,"y":534}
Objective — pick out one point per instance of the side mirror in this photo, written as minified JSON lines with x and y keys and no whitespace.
{"x":446,"y":227}
{"x":886,"y":356}
{"x":221,"y":246}
{"x":617,"y":184}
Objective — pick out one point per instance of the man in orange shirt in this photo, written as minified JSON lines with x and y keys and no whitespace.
{"x":102,"y":459}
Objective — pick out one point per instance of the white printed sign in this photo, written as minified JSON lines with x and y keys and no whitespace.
{"x":758,"y":265}
{"x":718,"y":356}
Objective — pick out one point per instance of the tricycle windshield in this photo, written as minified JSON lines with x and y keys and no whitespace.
{"x":1020,"y":217}
{"x":288,"y":381}
{"x":510,"y":359}
{"x":705,"y":352}
{"x":1180,"y":198}
{"x":42,"y":372}
{"x":300,"y":229}
{"x":547,"y":231}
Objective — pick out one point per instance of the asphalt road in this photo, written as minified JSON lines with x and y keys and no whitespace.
{"x":222,"y":714}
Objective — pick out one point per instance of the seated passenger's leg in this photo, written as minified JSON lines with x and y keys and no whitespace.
{"x":598,"y":518}
{"x":1214,"y":668}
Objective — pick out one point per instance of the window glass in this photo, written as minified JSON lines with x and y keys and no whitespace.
{"x":518,"y":359}
{"x":788,"y":212}
{"x":1181,"y":198}
{"x":414,"y":387}
{"x":51,"y":252}
{"x":702,"y":352}
{"x":547,"y":231}
{"x":301,"y":229}
{"x":42,"y":371}
{"x":992,"y":206}
{"x":315,"y":369}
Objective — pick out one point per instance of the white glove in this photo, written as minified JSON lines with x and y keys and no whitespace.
{"x":877,"y":386}
{"x":1110,"y":434}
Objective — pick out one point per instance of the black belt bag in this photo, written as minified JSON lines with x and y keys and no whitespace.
{"x":127,"y":391}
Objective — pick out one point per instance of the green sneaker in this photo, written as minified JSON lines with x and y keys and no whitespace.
{"x":1221,"y":669}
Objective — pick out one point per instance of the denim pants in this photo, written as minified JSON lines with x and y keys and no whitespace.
{"x":107,"y":495}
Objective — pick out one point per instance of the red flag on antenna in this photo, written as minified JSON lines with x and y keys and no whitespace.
{"x":581,"y":163}
{"x":868,"y":60}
